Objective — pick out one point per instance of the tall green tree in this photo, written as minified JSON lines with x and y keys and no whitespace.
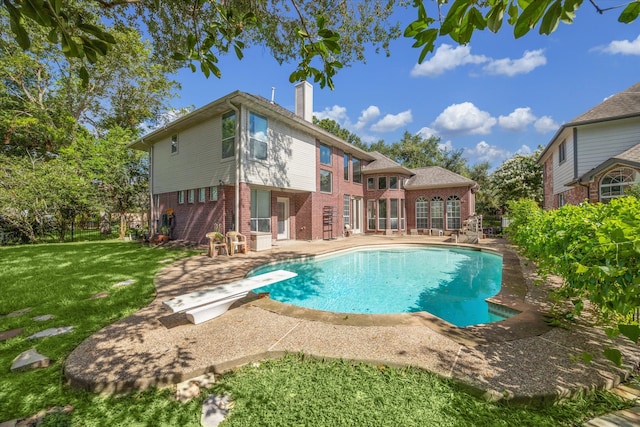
{"x":334,"y":128}
{"x":118,"y":174}
{"x":321,"y":36}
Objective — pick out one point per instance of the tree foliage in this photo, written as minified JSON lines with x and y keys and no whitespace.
{"x":594,"y":248}
{"x":322,"y":36}
{"x":519,"y":177}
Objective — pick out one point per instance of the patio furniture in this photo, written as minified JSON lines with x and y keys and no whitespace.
{"x":236,"y":242}
{"x":216,"y":246}
{"x":206,"y":304}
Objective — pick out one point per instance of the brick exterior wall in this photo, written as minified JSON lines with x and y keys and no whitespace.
{"x":464,"y":193}
{"x":387,"y":194}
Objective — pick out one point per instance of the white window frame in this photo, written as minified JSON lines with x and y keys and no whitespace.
{"x":260,"y":211}
{"x":191,"y":195}
{"x":382,"y":187}
{"x":174,"y":144}
{"x":213,"y":194}
{"x":326,"y":174}
{"x":202,"y":195}
{"x":226,"y":139}
{"x":422,"y":213}
{"x":356,"y":170}
{"x":346,"y":210}
{"x":371,"y":215}
{"x":562,"y":152}
{"x":327,"y":150}
{"x":382,"y":209}
{"x":454,"y":210}
{"x":436,"y":213}
{"x":181,"y":197}
{"x":345,"y":164}
{"x":257,"y":141}
{"x":620,"y":178}
{"x":394,"y":214}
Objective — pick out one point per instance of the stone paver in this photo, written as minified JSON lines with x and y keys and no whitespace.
{"x":214,"y":410}
{"x":124,"y":283}
{"x":99,"y":295}
{"x":30,"y":359}
{"x":51,"y":332}
{"x":10,"y":333}
{"x":625,"y":418}
{"x":43,"y":318}
{"x":19,"y":312}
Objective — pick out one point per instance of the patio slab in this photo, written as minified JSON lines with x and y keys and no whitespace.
{"x":522,"y":359}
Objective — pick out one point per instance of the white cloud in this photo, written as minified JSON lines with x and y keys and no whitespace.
{"x":447,"y":58}
{"x":427,"y":132}
{"x":545,"y":124}
{"x":518,"y":120}
{"x":337,"y":113}
{"x":464,"y":118}
{"x":531,"y":60}
{"x":447,"y":146}
{"x":622,"y":47}
{"x":391,"y":122}
{"x":483,"y":152}
{"x":370,"y":113}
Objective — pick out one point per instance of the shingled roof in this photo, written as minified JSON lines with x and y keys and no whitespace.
{"x":384,"y":164}
{"x":621,"y":105}
{"x":436,"y":177}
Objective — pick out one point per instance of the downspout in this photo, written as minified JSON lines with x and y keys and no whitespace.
{"x":236,"y":224}
{"x":152,"y":208}
{"x":587,"y":186}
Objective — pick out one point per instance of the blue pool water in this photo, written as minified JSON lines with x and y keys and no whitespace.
{"x":449,"y":283}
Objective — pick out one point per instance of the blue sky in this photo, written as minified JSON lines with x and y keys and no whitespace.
{"x":494,"y":97}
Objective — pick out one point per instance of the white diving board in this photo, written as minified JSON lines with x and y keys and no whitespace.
{"x":206,"y":304}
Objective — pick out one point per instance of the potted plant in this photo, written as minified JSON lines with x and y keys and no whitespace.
{"x":218,"y":237}
{"x":164,"y":234}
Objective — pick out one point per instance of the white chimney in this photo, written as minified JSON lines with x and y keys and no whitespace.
{"x":304,"y":101}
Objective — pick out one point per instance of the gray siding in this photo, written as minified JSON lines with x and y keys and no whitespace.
{"x":198,"y":161}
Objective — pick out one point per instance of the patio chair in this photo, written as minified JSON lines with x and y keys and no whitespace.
{"x":216,"y":246}
{"x":236,"y":242}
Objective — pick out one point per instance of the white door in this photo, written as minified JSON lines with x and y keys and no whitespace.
{"x":356,"y":213}
{"x":282,"y":207}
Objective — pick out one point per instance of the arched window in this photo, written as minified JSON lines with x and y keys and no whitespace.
{"x":437,"y":213}
{"x":612,"y":184}
{"x":422,"y":206}
{"x":453,"y":213}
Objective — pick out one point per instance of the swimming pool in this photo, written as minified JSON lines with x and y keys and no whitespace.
{"x":450,"y":283}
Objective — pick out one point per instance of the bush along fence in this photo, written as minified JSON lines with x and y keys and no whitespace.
{"x":595,"y":248}
{"x":76,"y":231}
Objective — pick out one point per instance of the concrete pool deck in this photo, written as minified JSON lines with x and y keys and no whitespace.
{"x":522,"y":359}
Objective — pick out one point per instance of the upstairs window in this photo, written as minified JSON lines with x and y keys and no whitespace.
{"x":393,"y":182}
{"x":202,"y":195}
{"x":228,"y":135}
{"x":213,"y":194}
{"x":371,"y":183}
{"x":382,"y":183}
{"x":562,"y":152}
{"x":174,"y":144}
{"x":346,"y":167}
{"x":356,"y":166}
{"x":191,"y":196}
{"x":181,"y":197}
{"x":257,"y":137}
{"x":325,"y":155}
{"x":325,"y":181}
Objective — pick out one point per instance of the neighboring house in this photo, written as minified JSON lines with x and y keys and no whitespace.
{"x":245,"y":163}
{"x":596,"y":155}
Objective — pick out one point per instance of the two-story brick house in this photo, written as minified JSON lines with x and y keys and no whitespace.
{"x":596,"y":155}
{"x":245,"y":163}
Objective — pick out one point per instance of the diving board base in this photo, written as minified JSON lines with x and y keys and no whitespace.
{"x":209,"y":311}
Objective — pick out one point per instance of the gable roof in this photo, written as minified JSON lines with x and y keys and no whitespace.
{"x":384,"y":164}
{"x":630,"y":157}
{"x":255,"y":102}
{"x":622,"y":105}
{"x":437,"y":177}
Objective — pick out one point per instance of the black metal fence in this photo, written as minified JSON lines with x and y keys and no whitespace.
{"x":78,"y":231}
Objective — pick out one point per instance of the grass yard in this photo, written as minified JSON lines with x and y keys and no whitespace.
{"x":59,"y":279}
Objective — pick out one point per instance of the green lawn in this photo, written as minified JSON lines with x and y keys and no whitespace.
{"x":59,"y":279}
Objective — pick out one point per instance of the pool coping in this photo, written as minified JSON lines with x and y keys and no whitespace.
{"x":528,"y":321}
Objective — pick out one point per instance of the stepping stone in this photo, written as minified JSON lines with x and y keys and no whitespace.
{"x":10,"y":334}
{"x":51,"y":332}
{"x":29,"y":359}
{"x":214,"y":410}
{"x":124,"y":283}
{"x":165,"y":260}
{"x":19,"y":312}
{"x":187,"y":390}
{"x":43,"y":318}
{"x":99,"y":295}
